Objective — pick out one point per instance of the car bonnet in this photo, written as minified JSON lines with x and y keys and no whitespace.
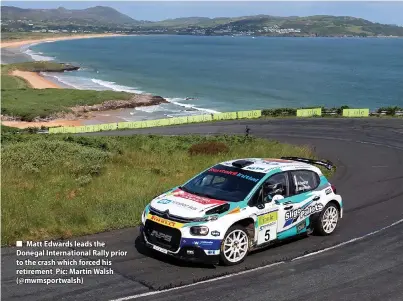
{"x":184,"y":204}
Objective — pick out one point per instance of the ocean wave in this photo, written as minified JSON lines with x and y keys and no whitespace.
{"x":150,"y":109}
{"x":37,"y":56}
{"x":177,"y":107}
{"x":115,"y":87}
{"x":177,"y":102}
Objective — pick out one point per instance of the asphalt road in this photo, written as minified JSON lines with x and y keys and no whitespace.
{"x":368,"y":154}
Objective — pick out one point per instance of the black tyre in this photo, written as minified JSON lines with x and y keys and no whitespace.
{"x":234,"y":246}
{"x":325,"y":223}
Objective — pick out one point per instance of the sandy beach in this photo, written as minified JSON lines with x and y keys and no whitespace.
{"x":100,"y":113}
{"x":75,"y":37}
{"x":35,"y":80}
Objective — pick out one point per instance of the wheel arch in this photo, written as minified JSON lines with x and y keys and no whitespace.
{"x":337,"y":205}
{"x":249,"y":224}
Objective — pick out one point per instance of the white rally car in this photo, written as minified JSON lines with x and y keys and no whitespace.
{"x":241,"y":205}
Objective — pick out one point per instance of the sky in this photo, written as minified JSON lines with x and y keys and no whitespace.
{"x":387,"y":12}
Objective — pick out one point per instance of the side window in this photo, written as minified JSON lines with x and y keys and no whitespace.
{"x":304,"y":180}
{"x":276,"y":184}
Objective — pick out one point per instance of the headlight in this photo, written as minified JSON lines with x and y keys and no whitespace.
{"x":199,"y":230}
{"x":143,"y":216}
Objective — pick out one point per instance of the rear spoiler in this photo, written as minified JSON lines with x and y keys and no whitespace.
{"x":329,"y":165}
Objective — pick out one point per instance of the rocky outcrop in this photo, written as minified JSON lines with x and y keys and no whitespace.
{"x":65,"y":67}
{"x":83,"y":112}
{"x":138,"y":100}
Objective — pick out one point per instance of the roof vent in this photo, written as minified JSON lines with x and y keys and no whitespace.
{"x":242,"y":163}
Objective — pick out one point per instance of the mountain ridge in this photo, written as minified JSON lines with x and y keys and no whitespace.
{"x":262,"y":24}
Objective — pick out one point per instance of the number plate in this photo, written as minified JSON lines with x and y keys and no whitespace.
{"x":160,"y":249}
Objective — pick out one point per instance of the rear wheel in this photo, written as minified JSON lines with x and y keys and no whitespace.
{"x":327,"y":220}
{"x":235,"y":245}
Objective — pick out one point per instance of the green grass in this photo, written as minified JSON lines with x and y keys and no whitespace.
{"x":9,"y":82}
{"x":31,"y":103}
{"x":58,"y":186}
{"x":38,"y":66}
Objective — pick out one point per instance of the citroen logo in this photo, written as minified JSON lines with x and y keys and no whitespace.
{"x":166,"y":214}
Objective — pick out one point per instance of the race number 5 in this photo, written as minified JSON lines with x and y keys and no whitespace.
{"x":267,"y":235}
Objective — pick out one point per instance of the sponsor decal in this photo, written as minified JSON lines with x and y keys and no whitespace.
{"x":267,"y":218}
{"x":196,"y":198}
{"x":164,"y":221}
{"x":270,"y":163}
{"x":164,"y":201}
{"x":328,"y":191}
{"x":234,"y":173}
{"x":254,"y":168}
{"x":209,"y":244}
{"x":184,"y":205}
{"x":161,"y":235}
{"x":215,"y":233}
{"x":303,"y":212}
{"x":261,"y":228}
{"x":300,"y":226}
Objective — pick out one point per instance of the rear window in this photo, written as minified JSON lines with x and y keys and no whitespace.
{"x":224,"y":183}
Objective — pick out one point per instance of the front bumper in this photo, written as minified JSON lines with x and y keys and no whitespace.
{"x":189,"y":253}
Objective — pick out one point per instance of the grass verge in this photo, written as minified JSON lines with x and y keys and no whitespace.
{"x":58,"y":186}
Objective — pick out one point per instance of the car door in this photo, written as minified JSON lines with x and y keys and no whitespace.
{"x":300,"y":204}
{"x":267,"y":210}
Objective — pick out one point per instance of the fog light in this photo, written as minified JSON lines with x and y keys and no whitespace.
{"x":191,"y":252}
{"x":199,"y":230}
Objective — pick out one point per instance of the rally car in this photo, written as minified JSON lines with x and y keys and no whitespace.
{"x":237,"y":206}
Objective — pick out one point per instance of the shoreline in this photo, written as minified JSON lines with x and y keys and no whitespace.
{"x":22,"y":43}
{"x":35,"y":80}
{"x":100,"y":113}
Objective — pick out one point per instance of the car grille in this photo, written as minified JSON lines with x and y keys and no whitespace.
{"x":171,"y":217}
{"x":162,"y":236}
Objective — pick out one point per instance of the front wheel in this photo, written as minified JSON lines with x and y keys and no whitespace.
{"x":235,"y":245}
{"x":327,"y":220}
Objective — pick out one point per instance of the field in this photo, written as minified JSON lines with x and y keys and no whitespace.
{"x":60,"y":186}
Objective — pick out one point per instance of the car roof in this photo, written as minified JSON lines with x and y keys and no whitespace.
{"x":267,"y":165}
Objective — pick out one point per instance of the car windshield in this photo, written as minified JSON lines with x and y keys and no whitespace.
{"x":223,"y":183}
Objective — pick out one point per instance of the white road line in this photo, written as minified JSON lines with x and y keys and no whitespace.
{"x":349,"y":241}
{"x":256,"y":269}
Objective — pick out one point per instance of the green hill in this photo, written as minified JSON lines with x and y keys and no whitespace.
{"x":101,"y":18}
{"x":321,"y":25}
{"x":100,"y":15}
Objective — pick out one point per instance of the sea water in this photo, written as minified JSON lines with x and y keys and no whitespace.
{"x":200,"y":74}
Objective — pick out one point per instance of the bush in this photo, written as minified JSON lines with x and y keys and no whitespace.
{"x":208,"y":148}
{"x":279,"y":112}
{"x":389,"y":110}
{"x":40,"y":155}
